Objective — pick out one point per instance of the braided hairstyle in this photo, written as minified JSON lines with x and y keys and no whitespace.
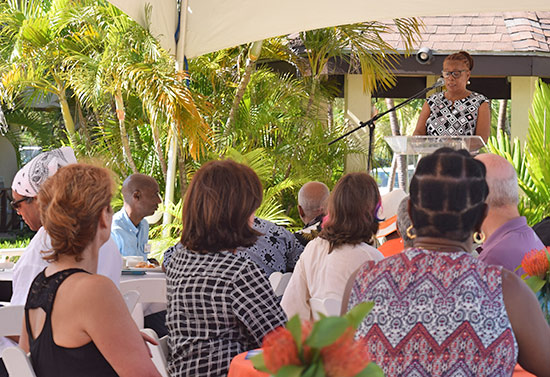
{"x":464,"y":57}
{"x":447,"y":195}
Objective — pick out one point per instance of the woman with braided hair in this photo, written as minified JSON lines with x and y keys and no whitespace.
{"x":439,"y":310}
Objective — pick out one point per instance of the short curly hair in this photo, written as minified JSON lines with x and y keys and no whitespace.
{"x":352,"y":206}
{"x":70,"y":203}
{"x":447,"y":195}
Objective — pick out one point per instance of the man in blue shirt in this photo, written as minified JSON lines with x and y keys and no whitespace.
{"x":129,"y":229}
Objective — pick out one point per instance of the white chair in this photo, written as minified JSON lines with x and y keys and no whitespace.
{"x":131,"y":298}
{"x":279,"y":281}
{"x":11,"y":320}
{"x":18,"y":363}
{"x":150,"y":291}
{"x":160,"y":352}
{"x":327,"y":306}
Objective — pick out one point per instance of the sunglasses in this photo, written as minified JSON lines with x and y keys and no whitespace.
{"x":15,"y":204}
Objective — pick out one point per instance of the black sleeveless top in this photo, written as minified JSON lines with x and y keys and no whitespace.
{"x":49,"y":359}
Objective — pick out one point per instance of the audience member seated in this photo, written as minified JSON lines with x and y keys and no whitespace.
{"x":542,"y":229}
{"x":344,"y":243}
{"x":312,"y":207}
{"x":439,"y":310}
{"x":275,"y":250}
{"x":387,"y":229}
{"x":130,"y":229}
{"x":76,"y":322}
{"x":26,"y":186}
{"x":219,"y":304}
{"x":508,"y":237}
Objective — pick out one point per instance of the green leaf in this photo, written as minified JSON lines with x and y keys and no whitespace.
{"x":356,"y":315}
{"x":372,"y":370}
{"x":290,"y":371}
{"x":294,"y":325}
{"x":259,"y":363}
{"x":535,"y":283}
{"x":315,"y":370}
{"x":326,"y":331}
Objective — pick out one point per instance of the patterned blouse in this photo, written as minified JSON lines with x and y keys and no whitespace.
{"x":219,"y":305}
{"x":453,"y":118}
{"x":435,"y":314}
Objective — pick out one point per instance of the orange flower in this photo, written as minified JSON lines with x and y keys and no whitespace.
{"x":535,"y":263}
{"x":279,"y":349}
{"x":345,"y":357}
{"x":306,"y":330}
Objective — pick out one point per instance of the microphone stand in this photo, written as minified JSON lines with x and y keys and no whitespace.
{"x":371,"y":125}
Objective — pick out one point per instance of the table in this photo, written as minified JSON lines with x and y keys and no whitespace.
{"x":6,"y":277}
{"x":242,"y":367}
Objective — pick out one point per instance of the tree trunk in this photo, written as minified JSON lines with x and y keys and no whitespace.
{"x":253,"y":54}
{"x":119,"y":103}
{"x":84,"y":126}
{"x":121,"y":168}
{"x":501,"y":124}
{"x":330,"y":115}
{"x":66,"y":113}
{"x":158,"y":149}
{"x":401,"y":162}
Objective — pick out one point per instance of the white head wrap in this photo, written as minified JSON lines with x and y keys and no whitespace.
{"x":29,"y":178}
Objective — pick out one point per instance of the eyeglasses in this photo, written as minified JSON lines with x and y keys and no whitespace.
{"x":455,"y":74}
{"x":15,"y":204}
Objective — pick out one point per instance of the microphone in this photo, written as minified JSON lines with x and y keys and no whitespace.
{"x":439,"y":83}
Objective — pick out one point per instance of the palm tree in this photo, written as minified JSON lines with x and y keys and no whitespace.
{"x":32,"y":41}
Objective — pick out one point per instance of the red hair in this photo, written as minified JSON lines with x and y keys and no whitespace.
{"x":70,"y":203}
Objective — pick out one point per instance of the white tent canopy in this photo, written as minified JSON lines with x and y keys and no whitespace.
{"x":212,"y":25}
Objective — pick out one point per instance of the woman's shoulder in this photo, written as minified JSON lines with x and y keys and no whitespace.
{"x":479,"y":97}
{"x":438,"y":96}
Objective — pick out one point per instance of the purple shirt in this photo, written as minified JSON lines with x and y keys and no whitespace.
{"x":509,"y":243}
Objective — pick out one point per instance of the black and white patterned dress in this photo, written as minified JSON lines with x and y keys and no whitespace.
{"x":219,"y":305}
{"x":453,"y":118}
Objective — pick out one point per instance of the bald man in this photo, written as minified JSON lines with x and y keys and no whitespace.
{"x":508,"y":237}
{"x":129,"y":229}
{"x":312,"y":207}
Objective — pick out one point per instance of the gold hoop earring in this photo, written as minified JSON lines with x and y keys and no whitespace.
{"x":479,"y":237}
{"x":411,"y":235}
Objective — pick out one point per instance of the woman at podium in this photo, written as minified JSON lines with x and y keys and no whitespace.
{"x":456,"y":111}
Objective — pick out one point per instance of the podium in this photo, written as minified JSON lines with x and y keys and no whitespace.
{"x":418,"y":146}
{"x":422,"y":145}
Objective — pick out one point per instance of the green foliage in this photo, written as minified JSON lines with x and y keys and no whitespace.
{"x":120,"y":99}
{"x":532,"y":162}
{"x":15,"y":243}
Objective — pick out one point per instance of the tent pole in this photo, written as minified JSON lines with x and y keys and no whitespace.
{"x":173,"y":150}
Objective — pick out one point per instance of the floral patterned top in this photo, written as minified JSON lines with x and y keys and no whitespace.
{"x":453,"y":118}
{"x":435,"y":314}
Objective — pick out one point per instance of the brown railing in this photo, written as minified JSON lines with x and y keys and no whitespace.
{"x":9,"y":220}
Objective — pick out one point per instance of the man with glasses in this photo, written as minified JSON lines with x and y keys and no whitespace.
{"x":25,"y":187}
